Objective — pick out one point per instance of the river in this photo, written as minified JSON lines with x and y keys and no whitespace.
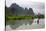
{"x":27,"y":24}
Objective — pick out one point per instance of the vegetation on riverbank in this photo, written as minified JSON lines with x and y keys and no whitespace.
{"x":12,"y":19}
{"x":22,"y":17}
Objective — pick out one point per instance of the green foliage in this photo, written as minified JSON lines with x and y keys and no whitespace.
{"x":22,"y":17}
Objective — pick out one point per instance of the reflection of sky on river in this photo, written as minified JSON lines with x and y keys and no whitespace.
{"x":28,"y":26}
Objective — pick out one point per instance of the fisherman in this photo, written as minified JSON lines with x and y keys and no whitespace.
{"x":38,"y":21}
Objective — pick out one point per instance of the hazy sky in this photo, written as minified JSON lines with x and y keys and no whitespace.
{"x":37,"y":5}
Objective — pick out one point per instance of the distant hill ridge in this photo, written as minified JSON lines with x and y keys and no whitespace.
{"x":19,"y":11}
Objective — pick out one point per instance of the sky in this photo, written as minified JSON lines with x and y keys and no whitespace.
{"x":36,"y":5}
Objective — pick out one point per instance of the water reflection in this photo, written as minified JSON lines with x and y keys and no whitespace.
{"x":21,"y":22}
{"x":32,"y":24}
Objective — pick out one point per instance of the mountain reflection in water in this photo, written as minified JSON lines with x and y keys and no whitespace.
{"x":26,"y":24}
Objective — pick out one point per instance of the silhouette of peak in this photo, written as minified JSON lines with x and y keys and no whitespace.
{"x":14,"y":5}
{"x":30,"y":8}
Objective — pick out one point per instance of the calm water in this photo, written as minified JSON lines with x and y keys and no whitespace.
{"x":26,"y":24}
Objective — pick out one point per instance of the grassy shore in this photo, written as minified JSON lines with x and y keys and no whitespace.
{"x":22,"y":17}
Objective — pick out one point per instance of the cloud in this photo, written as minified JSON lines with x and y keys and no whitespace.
{"x":37,"y":5}
{"x":9,"y":2}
